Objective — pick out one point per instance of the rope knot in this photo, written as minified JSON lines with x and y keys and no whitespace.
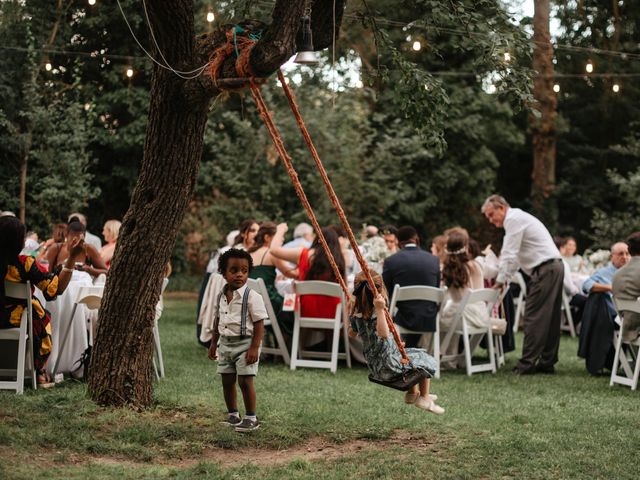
{"x":239,"y":41}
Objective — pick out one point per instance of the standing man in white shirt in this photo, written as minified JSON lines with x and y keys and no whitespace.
{"x":528,"y":245}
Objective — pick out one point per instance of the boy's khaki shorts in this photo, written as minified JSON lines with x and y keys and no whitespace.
{"x":232,"y":356}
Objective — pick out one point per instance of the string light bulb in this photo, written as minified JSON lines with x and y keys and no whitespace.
{"x":416,"y":46}
{"x":615,"y":88}
{"x":91,"y":2}
{"x":48,"y":66}
{"x":507,"y":57}
{"x":589,"y":67}
{"x":556,"y":88}
{"x":129,"y":72}
{"x":210,"y":16}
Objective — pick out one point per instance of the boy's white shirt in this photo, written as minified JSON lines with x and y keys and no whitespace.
{"x":231,"y":313}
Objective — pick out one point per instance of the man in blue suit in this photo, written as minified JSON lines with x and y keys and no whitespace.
{"x":412,"y":266}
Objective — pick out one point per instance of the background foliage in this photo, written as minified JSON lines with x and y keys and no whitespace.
{"x":409,"y":145}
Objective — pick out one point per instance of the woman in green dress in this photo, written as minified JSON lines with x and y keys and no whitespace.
{"x":264,"y":267}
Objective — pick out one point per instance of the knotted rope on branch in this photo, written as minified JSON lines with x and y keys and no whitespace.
{"x":241,"y":44}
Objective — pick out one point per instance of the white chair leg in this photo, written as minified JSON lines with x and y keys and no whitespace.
{"x":158,"y":350}
{"x":295,"y":344}
{"x":616,"y":358}
{"x":22,"y":355}
{"x":436,"y":349}
{"x":636,"y":370}
{"x":492,"y":353}
{"x":467,"y":352}
{"x":335,"y":346}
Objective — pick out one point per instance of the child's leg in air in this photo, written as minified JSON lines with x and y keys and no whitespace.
{"x":426,"y":402}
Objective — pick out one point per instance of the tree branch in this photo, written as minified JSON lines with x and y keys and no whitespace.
{"x":277,"y":45}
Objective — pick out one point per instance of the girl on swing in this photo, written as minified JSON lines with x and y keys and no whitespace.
{"x":367,"y":320}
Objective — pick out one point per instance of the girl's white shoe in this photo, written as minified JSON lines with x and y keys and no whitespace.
{"x":410,"y":398}
{"x":429,"y":405}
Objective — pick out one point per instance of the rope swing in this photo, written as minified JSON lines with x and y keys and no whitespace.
{"x":240,"y":43}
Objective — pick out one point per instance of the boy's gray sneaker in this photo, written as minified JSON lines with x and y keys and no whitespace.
{"x":247,"y":425}
{"x":232,"y":421}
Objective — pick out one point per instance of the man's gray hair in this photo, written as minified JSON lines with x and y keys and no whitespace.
{"x":301,"y":230}
{"x":495,"y":201}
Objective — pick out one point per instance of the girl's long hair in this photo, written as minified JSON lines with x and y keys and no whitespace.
{"x":244,"y":227}
{"x":266,"y":228}
{"x":361,"y":303}
{"x":455,"y":273}
{"x":320,"y":267}
{"x":12,"y":234}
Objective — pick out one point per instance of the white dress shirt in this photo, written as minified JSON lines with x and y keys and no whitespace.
{"x":230,"y":313}
{"x":527,"y":243}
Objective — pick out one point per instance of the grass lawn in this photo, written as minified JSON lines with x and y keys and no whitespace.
{"x":317,"y":425}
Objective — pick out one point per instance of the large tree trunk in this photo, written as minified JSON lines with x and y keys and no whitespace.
{"x":543,"y":129}
{"x":121,"y":360}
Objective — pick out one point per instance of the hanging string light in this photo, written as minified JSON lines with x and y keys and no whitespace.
{"x":48,"y":66}
{"x":589,"y":66}
{"x":416,"y":46}
{"x":129,"y":72}
{"x":615,"y":88}
{"x":556,"y":88}
{"x":210,"y":16}
{"x":91,"y":2}
{"x":507,"y":57}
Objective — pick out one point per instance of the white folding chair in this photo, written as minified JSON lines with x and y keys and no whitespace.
{"x":421,"y":292}
{"x":630,"y":377}
{"x":158,"y":362}
{"x":281,"y":346}
{"x":567,"y":324}
{"x":471,"y":336}
{"x":24,"y":336}
{"x":520,"y":300}
{"x":337,"y":323}
{"x":89,"y":296}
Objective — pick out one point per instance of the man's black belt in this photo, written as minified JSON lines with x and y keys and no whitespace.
{"x":546,"y":262}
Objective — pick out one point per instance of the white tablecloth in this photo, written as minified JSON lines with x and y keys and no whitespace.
{"x":60,"y":310}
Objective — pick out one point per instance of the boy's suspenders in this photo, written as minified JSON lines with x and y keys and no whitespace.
{"x":244,"y":312}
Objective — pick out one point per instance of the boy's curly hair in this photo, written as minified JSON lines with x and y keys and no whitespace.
{"x":223,"y":261}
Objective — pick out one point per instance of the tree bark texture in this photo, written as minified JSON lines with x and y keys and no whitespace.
{"x":543,"y":129}
{"x":121,"y":362}
{"x":120,"y":371}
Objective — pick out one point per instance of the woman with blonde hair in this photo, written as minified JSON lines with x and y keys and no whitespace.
{"x":110,"y":232}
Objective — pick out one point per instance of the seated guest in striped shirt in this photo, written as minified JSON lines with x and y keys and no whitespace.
{"x":237,"y":335}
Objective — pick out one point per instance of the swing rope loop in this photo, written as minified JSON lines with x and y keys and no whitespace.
{"x":242,"y":45}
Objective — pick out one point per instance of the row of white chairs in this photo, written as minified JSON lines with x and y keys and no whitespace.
{"x":338,"y":325}
{"x":90,"y":297}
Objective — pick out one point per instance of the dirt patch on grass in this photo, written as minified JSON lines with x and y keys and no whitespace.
{"x":313,"y":449}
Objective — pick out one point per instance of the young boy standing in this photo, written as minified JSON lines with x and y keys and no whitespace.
{"x":238,"y":331}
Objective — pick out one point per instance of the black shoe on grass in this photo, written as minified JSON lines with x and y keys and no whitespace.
{"x":248,"y":425}
{"x":232,"y":421}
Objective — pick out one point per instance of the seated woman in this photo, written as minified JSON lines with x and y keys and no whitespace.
{"x":461,"y":273}
{"x":57,"y":236}
{"x":88,"y":261}
{"x":110,"y":233}
{"x":21,"y":269}
{"x":313,"y":264}
{"x":264,"y":267}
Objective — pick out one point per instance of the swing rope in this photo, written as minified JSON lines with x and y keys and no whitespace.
{"x":244,"y":45}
